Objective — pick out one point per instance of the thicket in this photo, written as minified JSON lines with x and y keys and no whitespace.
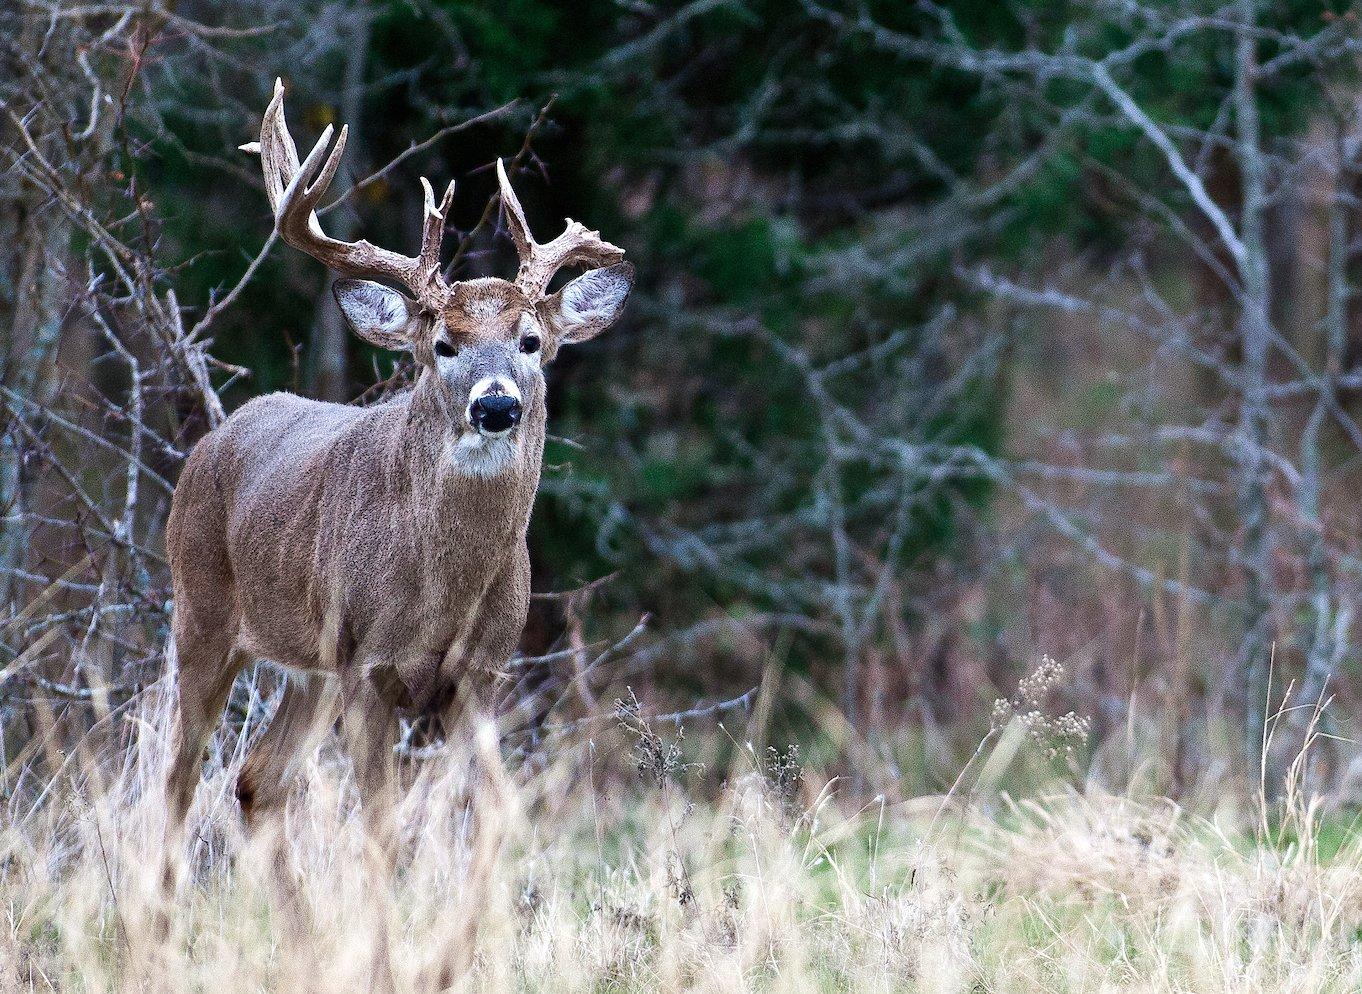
{"x":964,"y":332}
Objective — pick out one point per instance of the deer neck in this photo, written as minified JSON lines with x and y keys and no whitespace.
{"x":462,"y":489}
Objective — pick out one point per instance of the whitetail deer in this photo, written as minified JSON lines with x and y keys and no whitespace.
{"x":383,"y":546}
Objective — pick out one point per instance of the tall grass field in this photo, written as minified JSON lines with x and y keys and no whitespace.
{"x":619,"y":864}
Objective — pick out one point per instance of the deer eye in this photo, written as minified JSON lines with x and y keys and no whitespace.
{"x":444,"y":350}
{"x":530,"y":344}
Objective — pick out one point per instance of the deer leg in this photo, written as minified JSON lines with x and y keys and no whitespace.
{"x":305,"y":713}
{"x":467,"y":722}
{"x":367,"y":721}
{"x":208,"y":663}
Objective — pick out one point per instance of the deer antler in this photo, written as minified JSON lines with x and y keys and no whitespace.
{"x":577,"y":245}
{"x":294,"y":191}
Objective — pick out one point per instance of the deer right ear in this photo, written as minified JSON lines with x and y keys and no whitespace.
{"x":589,"y":304}
{"x":378,"y":314}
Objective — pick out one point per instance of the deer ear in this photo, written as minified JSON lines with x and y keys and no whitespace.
{"x":378,"y":314}
{"x":589,"y":304}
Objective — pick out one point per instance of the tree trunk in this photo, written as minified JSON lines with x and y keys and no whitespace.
{"x":1255,"y":331}
{"x":328,"y":362}
{"x":28,"y":364}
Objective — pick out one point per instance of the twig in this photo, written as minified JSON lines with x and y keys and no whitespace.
{"x":467,"y":241}
{"x":414,"y":149}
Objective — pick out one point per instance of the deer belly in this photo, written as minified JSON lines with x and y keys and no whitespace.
{"x":278,"y":618}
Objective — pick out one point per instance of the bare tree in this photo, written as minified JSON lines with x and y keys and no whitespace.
{"x":1252,"y":427}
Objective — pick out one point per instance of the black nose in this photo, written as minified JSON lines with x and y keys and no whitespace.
{"x":495,"y":412}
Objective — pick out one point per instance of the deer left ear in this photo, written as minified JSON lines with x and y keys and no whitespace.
{"x":378,"y":314}
{"x":589,"y":304}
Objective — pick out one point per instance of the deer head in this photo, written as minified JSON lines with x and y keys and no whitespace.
{"x":483,"y":342}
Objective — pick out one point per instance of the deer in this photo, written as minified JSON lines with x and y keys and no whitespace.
{"x":378,"y":552}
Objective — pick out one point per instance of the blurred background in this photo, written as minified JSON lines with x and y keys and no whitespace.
{"x":966,"y":334}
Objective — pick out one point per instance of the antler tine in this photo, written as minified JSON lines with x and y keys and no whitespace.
{"x":294,"y":213}
{"x":515,"y":216}
{"x":294,"y":191}
{"x":278,"y":154}
{"x":322,"y":183}
{"x":577,"y":245}
{"x":433,"y":230}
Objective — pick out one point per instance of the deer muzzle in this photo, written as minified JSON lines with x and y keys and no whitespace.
{"x":495,"y":408}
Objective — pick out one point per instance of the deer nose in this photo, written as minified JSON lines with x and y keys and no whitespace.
{"x":494,"y":413}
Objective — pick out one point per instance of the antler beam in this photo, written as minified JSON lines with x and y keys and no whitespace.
{"x":577,"y":245}
{"x":294,"y":191}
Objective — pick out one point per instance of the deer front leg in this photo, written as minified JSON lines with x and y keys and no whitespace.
{"x":468,"y":719}
{"x":368,"y":722}
{"x":305,"y":714}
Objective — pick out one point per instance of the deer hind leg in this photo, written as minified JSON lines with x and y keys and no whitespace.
{"x":208,"y":663}
{"x":368,"y":720}
{"x":305,"y":714}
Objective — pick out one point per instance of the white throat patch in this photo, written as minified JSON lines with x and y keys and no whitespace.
{"x":477,"y":455}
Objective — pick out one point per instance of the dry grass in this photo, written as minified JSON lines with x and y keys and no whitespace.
{"x":561,"y":880}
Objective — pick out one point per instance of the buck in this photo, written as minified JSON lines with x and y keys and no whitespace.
{"x":381,"y":547}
